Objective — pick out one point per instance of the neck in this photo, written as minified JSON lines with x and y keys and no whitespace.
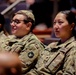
{"x":65,"y":39}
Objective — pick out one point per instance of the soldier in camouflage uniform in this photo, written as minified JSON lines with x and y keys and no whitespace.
{"x":59,"y":58}
{"x":25,"y":43}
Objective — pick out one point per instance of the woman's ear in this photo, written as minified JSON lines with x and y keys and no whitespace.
{"x":72,"y":26}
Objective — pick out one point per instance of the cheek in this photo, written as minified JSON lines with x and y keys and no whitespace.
{"x":65,"y":30}
{"x":19,"y":27}
{"x":64,"y":27}
{"x":22,"y":28}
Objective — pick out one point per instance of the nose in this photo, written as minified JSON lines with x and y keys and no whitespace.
{"x":12,"y":23}
{"x":56,"y":25}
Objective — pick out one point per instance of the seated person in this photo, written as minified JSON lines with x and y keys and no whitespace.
{"x":25,"y":43}
{"x":59,"y":58}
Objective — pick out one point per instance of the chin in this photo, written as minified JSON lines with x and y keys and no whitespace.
{"x":12,"y":32}
{"x":57,"y":35}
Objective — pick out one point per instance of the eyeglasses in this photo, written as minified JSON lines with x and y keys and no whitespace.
{"x":16,"y":21}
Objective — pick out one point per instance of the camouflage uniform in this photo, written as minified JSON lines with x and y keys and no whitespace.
{"x":57,"y":59}
{"x":4,"y":38}
{"x":28,"y":49}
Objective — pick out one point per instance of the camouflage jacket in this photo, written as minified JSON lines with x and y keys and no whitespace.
{"x":27,"y":48}
{"x":4,"y":39}
{"x":57,"y":59}
{"x":2,"y":36}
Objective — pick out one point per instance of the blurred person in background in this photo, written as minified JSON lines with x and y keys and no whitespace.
{"x":9,"y":64}
{"x":73,"y":5}
{"x":29,"y":3}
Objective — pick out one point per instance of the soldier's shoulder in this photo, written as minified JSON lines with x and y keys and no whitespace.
{"x":33,"y":36}
{"x":53,"y":44}
{"x":73,"y":43}
{"x":33,"y":39}
{"x":73,"y":49}
{"x":50,"y":46}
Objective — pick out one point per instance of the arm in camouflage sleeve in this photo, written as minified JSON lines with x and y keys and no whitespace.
{"x":40,"y":64}
{"x":29,"y":55}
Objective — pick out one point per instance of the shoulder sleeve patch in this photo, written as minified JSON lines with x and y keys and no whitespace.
{"x":30,"y":54}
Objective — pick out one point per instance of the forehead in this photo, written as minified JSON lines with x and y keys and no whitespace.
{"x":19,"y":16}
{"x":60,"y":16}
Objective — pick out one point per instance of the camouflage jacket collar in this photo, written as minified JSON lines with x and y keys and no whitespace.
{"x":55,"y":46}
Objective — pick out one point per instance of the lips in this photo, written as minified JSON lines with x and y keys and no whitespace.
{"x":56,"y":32}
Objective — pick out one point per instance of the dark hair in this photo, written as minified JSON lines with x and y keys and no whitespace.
{"x":2,"y":21}
{"x":71,"y":18}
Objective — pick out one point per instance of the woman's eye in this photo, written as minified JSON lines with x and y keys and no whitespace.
{"x":60,"y":22}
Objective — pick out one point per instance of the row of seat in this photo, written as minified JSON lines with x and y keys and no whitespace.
{"x":45,"y":35}
{"x":20,"y":6}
